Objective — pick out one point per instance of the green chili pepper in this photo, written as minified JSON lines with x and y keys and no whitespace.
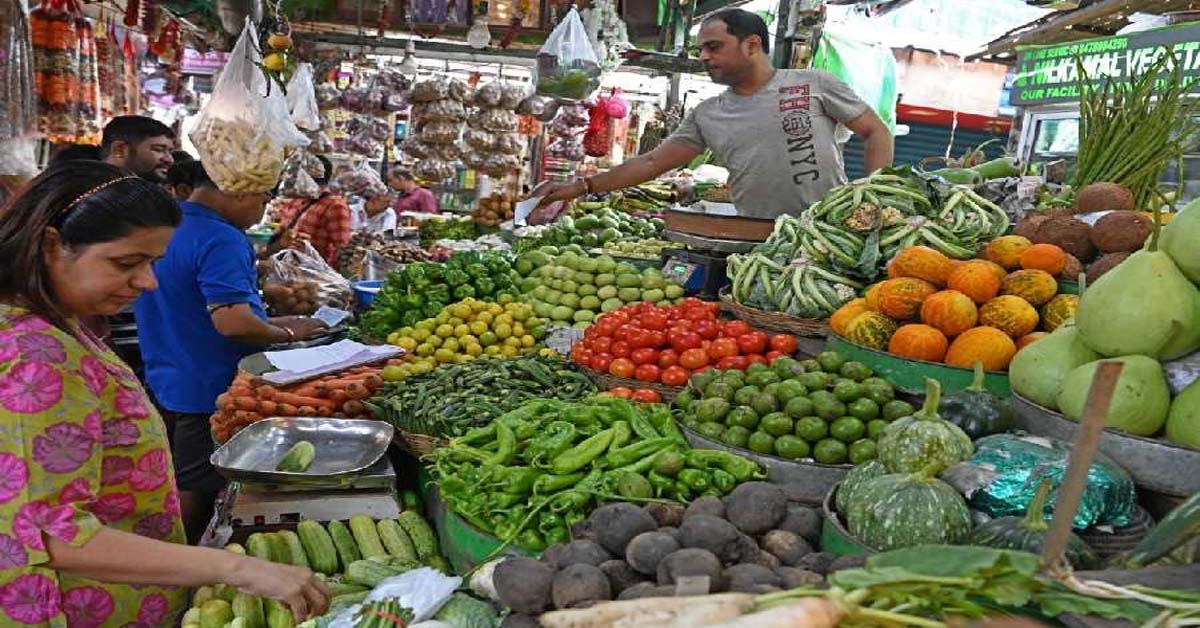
{"x":739,"y":467}
{"x":506,"y":529}
{"x":662,"y":484}
{"x":556,"y":439}
{"x":521,"y":480}
{"x":636,"y":451}
{"x":567,"y":501}
{"x":664,"y":422}
{"x":548,"y":520}
{"x":554,"y":483}
{"x":507,"y":445}
{"x":503,"y":501}
{"x":456,"y":278}
{"x":683,"y":492}
{"x":465,"y":291}
{"x":556,"y":535}
{"x":723,"y":480}
{"x":477,"y":435}
{"x":621,"y":435}
{"x":573,"y":517}
{"x":696,"y":479}
{"x":582,"y":454}
{"x":531,"y":540}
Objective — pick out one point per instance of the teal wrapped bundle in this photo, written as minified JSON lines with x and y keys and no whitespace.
{"x":1010,"y":467}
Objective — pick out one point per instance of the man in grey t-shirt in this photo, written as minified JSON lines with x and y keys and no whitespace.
{"x":773,"y":129}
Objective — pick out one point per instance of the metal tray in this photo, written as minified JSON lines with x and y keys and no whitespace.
{"x":1154,"y":464}
{"x":344,"y":447}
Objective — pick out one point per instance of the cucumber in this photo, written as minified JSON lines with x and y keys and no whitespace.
{"x":396,"y":540}
{"x":367,"y":536}
{"x":298,"y":458}
{"x":423,"y":539}
{"x":249,"y":609}
{"x":343,"y":541}
{"x":318,"y":546}
{"x":295,"y":551}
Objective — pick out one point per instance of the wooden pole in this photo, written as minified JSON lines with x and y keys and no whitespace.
{"x":1070,"y":491}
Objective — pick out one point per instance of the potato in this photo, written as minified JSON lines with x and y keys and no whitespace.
{"x":620,"y":575}
{"x":523,"y":584}
{"x":616,"y":524}
{"x":816,"y":561}
{"x":793,"y":578}
{"x":579,"y":585}
{"x":744,"y":576}
{"x":690,"y":562}
{"x":665,"y":514}
{"x":755,"y":507}
{"x":802,"y":521}
{"x":580,"y":552}
{"x":713,"y":534}
{"x":853,"y":561}
{"x":707,"y":505}
{"x":787,"y":546}
{"x":647,"y":550}
{"x":641,"y":589}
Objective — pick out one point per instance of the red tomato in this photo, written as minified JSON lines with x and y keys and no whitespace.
{"x":785,"y":343}
{"x":691,"y":303}
{"x":685,"y":340}
{"x":756,"y":358}
{"x":657,"y":339}
{"x":774,"y":355}
{"x":668,"y":358}
{"x":722,"y":348}
{"x":713,"y":307}
{"x":645,"y":395}
{"x":733,"y":362}
{"x":620,"y":349}
{"x":648,"y":373}
{"x":674,"y":376}
{"x":622,"y":367}
{"x":697,"y":314}
{"x":577,"y":353}
{"x":644,"y":355}
{"x":656,"y":319}
{"x":620,"y":392}
{"x":619,"y":316}
{"x":693,"y":359}
{"x":641,"y":338}
{"x":733,"y":329}
{"x":602,"y":344}
{"x":708,"y":329}
{"x":601,"y":362}
{"x":753,"y":342}
{"x":605,"y":327}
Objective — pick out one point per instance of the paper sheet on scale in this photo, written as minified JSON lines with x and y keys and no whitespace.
{"x":523,"y":208}
{"x":302,"y":360}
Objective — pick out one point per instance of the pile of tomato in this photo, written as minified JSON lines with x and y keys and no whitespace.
{"x":667,"y":343}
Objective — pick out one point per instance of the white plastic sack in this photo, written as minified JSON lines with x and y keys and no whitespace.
{"x":302,"y":99}
{"x":423,"y":590}
{"x":567,"y":66}
{"x":242,"y":132}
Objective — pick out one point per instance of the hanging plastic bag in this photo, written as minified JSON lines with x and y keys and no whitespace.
{"x":567,"y":66}
{"x":244,"y":129}
{"x":302,"y":99}
{"x":299,"y":282}
{"x":597,"y":141}
{"x":616,"y":106}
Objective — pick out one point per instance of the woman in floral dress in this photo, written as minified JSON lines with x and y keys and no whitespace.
{"x":90,"y":533}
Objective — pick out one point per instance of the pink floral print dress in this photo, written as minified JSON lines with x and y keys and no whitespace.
{"x":81,"y":447}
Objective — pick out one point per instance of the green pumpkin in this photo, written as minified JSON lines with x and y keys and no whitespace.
{"x":906,"y":509}
{"x":924,"y":440}
{"x":854,"y":480}
{"x":1028,"y":533}
{"x":978,"y":412}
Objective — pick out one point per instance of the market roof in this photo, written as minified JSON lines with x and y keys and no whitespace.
{"x":1094,"y":18}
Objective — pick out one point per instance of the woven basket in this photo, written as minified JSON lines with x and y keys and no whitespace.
{"x":773,"y":321}
{"x":605,"y":381}
{"x":419,"y":445}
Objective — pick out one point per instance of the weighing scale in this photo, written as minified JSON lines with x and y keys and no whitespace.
{"x":248,"y":507}
{"x":709,"y":233}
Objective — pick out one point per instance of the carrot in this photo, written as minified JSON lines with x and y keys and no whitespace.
{"x":307,"y":411}
{"x":245,"y":417}
{"x":225,"y":401}
{"x":353,"y":407}
{"x":357,"y":390}
{"x":287,"y":409}
{"x":246,"y":403}
{"x":309,"y":389}
{"x":338,"y":396}
{"x":240,"y":391}
{"x":267,"y":407}
{"x":298,"y":400}
{"x":374,"y":381}
{"x":265,"y":392}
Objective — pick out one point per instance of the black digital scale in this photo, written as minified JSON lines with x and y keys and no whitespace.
{"x":699,"y":264}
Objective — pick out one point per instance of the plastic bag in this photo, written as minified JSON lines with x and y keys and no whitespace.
{"x":17,"y":108}
{"x":302,"y":99}
{"x":18,"y":157}
{"x":567,"y":66}
{"x":423,"y":591}
{"x":598,"y":139}
{"x":244,"y":129}
{"x":298,"y":181}
{"x":615,"y":105}
{"x":434,"y":170}
{"x":361,"y":181}
{"x":300,"y":282}
{"x":429,"y":90}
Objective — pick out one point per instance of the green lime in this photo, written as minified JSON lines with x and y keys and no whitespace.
{"x":742,"y":416}
{"x":876,"y":381}
{"x":798,"y":407}
{"x":771,"y":389}
{"x":879,"y":393}
{"x":700,"y":380}
{"x":745,"y":395}
{"x":897,"y":409}
{"x":846,"y":390}
{"x":814,"y":380}
{"x":761,"y":443}
{"x":812,"y":428}
{"x":719,"y":390}
{"x":861,"y":451}
{"x":864,"y":409}
{"x":875,"y":428}
{"x":776,"y":424}
{"x":786,"y":367}
{"x":711,"y":430}
{"x":847,"y":429}
{"x":856,"y":371}
{"x":830,"y":451}
{"x":713,"y":410}
{"x":829,"y":409}
{"x":757,"y":367}
{"x":684,"y":399}
{"x":788,"y":390}
{"x":810,"y":366}
{"x":764,"y":403}
{"x":763,"y":377}
{"x":791,"y":447}
{"x":736,"y":436}
{"x":734,"y":378}
{"x":831,"y":361}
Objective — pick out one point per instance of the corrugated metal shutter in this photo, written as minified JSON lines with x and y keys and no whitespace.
{"x":923,"y":140}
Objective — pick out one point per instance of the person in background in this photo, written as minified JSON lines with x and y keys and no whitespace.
{"x":140,"y":145}
{"x":90,"y":532}
{"x":180,"y":156}
{"x":205,"y":317}
{"x":416,"y":198}
{"x":73,"y":152}
{"x":181,"y":178}
{"x":378,"y":215}
{"x":323,"y":221}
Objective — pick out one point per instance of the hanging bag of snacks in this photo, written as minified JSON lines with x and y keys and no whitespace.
{"x":245,"y":129}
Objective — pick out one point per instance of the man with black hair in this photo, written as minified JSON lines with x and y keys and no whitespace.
{"x":205,"y":316}
{"x":140,"y":145}
{"x":775,"y":130}
{"x":73,"y":152}
{"x":324,"y":221}
{"x":182,"y":177}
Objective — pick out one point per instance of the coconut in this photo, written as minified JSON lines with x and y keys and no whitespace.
{"x":1037,"y":371}
{"x":1104,"y":264}
{"x":1180,"y":238}
{"x":1072,"y":270}
{"x":1103,"y":196}
{"x":1029,"y":225}
{"x":1067,"y":233}
{"x":1144,"y":306}
{"x":1121,"y":231}
{"x":1140,"y":400}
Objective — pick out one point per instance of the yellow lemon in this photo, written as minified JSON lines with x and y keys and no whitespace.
{"x":548,"y":353}
{"x":275,"y":62}
{"x":461,"y":310}
{"x":493,"y":350}
{"x":478,"y":306}
{"x":445,"y":331}
{"x":522,"y":314}
{"x":505,"y":298}
{"x":423,"y":367}
{"x":518,"y":329}
{"x":510,"y":352}
{"x":393,"y":373}
{"x":428,"y":324}
{"x":485,"y":317}
{"x":527,"y":341}
{"x":442,"y":318}
{"x":408,"y":344}
{"x":435,"y":341}
{"x":443,"y":355}
{"x":462,"y":358}
{"x":420,"y":334}
{"x":474,"y":350}
{"x":425,"y":349}
{"x":496,"y":309}
{"x":478,"y":327}
{"x":512,"y":342}
{"x":487,"y":338}
{"x":503,"y":319}
{"x":455,"y":321}
{"x":393,"y":337}
{"x":502,"y":331}
{"x":462,"y":330}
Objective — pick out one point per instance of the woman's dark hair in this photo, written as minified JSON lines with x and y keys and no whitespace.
{"x":69,"y":152}
{"x":87,"y":202}
{"x":742,"y":23}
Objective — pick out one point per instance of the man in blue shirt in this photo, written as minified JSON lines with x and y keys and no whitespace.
{"x":205,"y":316}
